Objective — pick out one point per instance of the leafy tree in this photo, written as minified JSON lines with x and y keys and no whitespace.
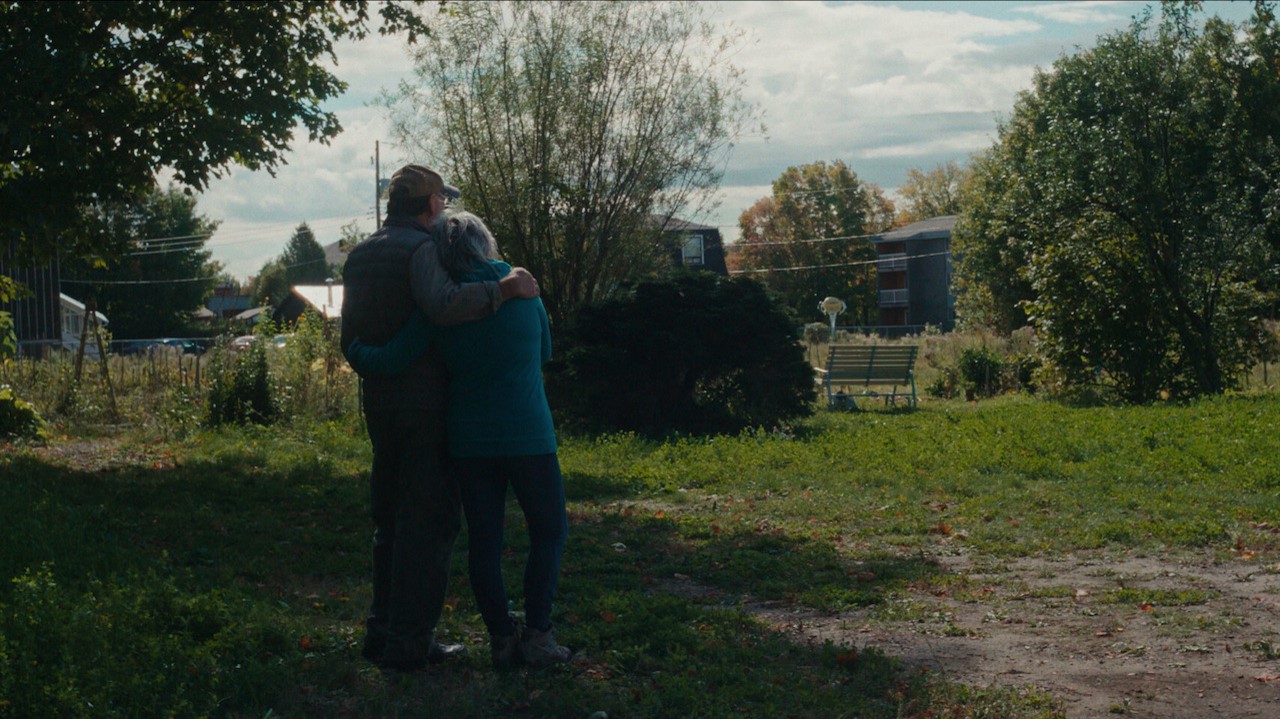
{"x":349,"y":235}
{"x":989,"y":240}
{"x":271,"y":285}
{"x":10,"y":290}
{"x":569,"y":125}
{"x":150,"y":289}
{"x":1135,"y":186}
{"x":930,"y":194}
{"x":100,"y":95}
{"x":809,"y":239}
{"x":686,"y":352}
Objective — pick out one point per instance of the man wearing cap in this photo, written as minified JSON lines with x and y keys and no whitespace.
{"x":416,"y":514}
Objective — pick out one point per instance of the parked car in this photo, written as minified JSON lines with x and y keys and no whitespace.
{"x":241,"y":343}
{"x":132,"y":347}
{"x":188,"y":347}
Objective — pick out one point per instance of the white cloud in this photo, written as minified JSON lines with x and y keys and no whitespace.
{"x":959,"y":144}
{"x":885,"y":87}
{"x":1081,"y":12}
{"x":821,"y":70}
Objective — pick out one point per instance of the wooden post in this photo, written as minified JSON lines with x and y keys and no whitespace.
{"x":103,"y":369}
{"x":84,"y":334}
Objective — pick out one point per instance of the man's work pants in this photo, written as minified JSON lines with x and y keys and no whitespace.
{"x":416,"y":515}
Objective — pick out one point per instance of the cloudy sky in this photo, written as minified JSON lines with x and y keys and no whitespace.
{"x":884,"y":86}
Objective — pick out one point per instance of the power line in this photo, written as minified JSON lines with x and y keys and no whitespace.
{"x":747,"y":245}
{"x":137,"y":282}
{"x":181,"y":244}
{"x":173,"y":281}
{"x":842,"y":264}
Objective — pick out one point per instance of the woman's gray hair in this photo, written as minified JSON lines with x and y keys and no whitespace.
{"x":467,"y":241}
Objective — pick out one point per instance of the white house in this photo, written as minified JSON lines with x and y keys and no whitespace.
{"x":73,"y":318}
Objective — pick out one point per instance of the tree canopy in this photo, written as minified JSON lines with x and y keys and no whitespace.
{"x":930,"y":194}
{"x":151,"y":289}
{"x":809,"y":239}
{"x":101,"y":96}
{"x":1131,"y":207}
{"x":570,"y":126}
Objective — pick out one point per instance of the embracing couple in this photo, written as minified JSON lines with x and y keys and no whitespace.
{"x":449,"y":342}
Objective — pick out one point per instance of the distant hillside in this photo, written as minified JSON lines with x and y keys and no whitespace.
{"x":335,"y":256}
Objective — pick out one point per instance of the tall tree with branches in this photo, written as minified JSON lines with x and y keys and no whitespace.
{"x":571,"y":126}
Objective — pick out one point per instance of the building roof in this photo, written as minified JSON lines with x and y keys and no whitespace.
{"x":675,"y":224}
{"x":252,"y":313}
{"x":930,"y":229}
{"x":78,"y":305}
{"x":326,"y":299}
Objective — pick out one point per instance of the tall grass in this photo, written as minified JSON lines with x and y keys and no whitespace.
{"x":165,"y":393}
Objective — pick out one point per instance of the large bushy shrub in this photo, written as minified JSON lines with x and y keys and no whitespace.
{"x":18,"y":418}
{"x":240,"y":391}
{"x":689,"y":352}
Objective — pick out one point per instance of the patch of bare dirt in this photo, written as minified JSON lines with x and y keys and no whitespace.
{"x":102,"y":455}
{"x":1148,"y":637}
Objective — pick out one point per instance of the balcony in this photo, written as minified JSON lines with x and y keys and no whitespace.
{"x":894,"y":298}
{"x":892,"y":263}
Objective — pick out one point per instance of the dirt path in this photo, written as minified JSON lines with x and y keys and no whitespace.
{"x":1144,"y":637}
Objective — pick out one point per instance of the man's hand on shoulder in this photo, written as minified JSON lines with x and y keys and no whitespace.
{"x":519,"y":283}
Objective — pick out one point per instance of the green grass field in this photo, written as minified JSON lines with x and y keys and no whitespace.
{"x":226,"y":574}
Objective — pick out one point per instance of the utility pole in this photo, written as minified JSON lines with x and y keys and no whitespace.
{"x":377,"y":185}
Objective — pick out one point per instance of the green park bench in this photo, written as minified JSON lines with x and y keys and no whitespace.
{"x":852,"y":371}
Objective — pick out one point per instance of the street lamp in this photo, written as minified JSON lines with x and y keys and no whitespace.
{"x":832,"y":306}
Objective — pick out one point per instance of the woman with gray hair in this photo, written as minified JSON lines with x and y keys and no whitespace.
{"x":500,"y":434}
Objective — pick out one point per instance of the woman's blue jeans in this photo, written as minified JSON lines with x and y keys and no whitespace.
{"x":539,"y":488}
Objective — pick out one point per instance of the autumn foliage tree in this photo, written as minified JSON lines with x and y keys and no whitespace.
{"x":932,"y":193}
{"x":809,"y":238}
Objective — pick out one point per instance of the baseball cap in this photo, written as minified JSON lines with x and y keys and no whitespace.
{"x":417,"y":181}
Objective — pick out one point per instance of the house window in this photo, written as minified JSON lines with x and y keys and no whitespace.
{"x":71,"y":321}
{"x":691,"y":251}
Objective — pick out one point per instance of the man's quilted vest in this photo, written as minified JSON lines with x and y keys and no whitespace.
{"x":376,"y":302}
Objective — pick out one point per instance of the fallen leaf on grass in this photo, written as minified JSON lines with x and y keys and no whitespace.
{"x":1145,"y":606}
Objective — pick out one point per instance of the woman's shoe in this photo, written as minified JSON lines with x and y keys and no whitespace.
{"x":539,"y":648}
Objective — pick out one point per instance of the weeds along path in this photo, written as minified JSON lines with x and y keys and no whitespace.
{"x":1148,"y":637}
